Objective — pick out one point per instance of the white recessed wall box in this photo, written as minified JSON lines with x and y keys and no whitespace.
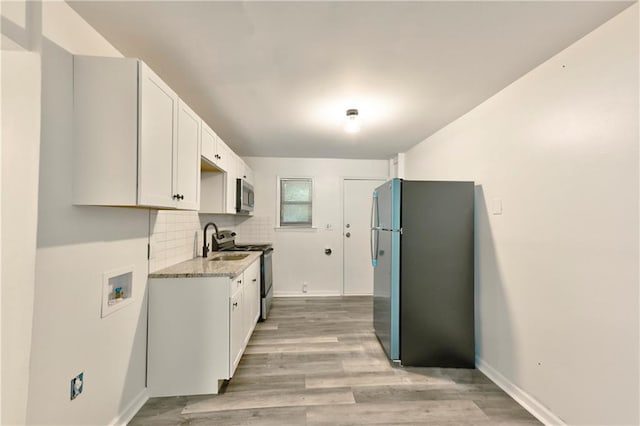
{"x":117,"y":289}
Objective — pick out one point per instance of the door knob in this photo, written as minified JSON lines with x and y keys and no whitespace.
{"x":348,"y":234}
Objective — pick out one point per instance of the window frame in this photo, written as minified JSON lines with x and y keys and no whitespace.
{"x":279,"y":201}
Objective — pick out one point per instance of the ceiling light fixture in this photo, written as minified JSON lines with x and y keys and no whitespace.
{"x":353,"y":124}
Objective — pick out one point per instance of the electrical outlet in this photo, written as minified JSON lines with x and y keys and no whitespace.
{"x":77,"y":384}
{"x":304,"y":287}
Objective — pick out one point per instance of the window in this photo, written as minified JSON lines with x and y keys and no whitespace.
{"x":296,"y":202}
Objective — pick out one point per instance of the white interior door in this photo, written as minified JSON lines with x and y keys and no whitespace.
{"x":357,"y":269}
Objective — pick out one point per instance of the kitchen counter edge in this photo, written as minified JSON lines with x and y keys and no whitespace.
{"x":201,"y":267}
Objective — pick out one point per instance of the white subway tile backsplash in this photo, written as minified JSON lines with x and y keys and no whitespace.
{"x":176,"y":236}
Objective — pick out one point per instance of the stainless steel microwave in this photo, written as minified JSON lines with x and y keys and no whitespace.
{"x":244,"y":197}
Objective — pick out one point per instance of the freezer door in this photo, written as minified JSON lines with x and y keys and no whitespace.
{"x":388,"y":205}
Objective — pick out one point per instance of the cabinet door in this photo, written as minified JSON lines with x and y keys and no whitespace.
{"x":249,"y":173}
{"x":244,"y":171}
{"x":224,"y":155}
{"x":230,"y":187}
{"x":240,"y":166}
{"x":187,"y":166}
{"x":208,"y":143}
{"x":158,"y":113}
{"x":252,"y":295}
{"x":237,"y":328}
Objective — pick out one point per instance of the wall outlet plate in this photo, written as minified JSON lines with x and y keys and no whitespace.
{"x":496,"y":206}
{"x":77,"y":384}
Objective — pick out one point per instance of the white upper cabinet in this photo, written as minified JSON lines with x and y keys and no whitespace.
{"x":126,"y":138}
{"x":230,"y":185}
{"x":158,"y":134}
{"x":214,"y":150}
{"x":225,"y":155}
{"x":187,"y":170}
{"x":208,"y":140}
{"x":218,"y":189}
{"x":244,"y":171}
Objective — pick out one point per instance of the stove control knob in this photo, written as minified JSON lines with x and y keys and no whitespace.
{"x":233,"y":234}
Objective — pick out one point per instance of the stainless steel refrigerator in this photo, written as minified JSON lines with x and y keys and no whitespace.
{"x":422,"y":251}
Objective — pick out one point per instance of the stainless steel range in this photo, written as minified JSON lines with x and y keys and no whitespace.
{"x":224,"y":240}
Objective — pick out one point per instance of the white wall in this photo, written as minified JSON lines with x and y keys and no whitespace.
{"x":20,"y":88}
{"x":557,"y":271}
{"x":75,"y":246}
{"x":299,"y":255}
{"x":20,"y":145}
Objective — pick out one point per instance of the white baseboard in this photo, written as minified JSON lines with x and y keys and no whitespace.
{"x":135,"y":406}
{"x":531,"y":404}
{"x":310,"y":294}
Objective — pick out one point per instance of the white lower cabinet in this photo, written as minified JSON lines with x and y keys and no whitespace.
{"x":237,"y":329}
{"x":252,"y":297}
{"x":198,"y":330}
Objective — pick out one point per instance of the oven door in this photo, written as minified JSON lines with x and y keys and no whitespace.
{"x":266,"y":284}
{"x":265,"y":305}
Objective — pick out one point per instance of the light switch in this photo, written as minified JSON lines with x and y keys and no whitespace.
{"x":496,"y":206}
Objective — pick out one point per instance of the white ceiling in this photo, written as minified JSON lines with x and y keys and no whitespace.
{"x":276,"y":78}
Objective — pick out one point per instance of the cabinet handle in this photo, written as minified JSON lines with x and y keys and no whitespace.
{"x":239,"y":281}
{"x":254,"y":280}
{"x":235,"y":304}
{"x":181,"y":197}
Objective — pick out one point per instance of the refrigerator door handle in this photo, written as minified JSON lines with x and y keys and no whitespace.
{"x":374,"y":230}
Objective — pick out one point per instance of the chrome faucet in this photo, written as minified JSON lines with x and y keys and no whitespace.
{"x":205,"y":245}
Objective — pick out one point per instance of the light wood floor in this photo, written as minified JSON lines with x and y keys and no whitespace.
{"x":316,"y":361}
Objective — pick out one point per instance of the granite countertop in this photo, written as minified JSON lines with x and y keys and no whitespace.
{"x":201,"y":267}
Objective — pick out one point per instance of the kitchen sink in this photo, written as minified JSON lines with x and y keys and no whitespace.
{"x":235,"y":256}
